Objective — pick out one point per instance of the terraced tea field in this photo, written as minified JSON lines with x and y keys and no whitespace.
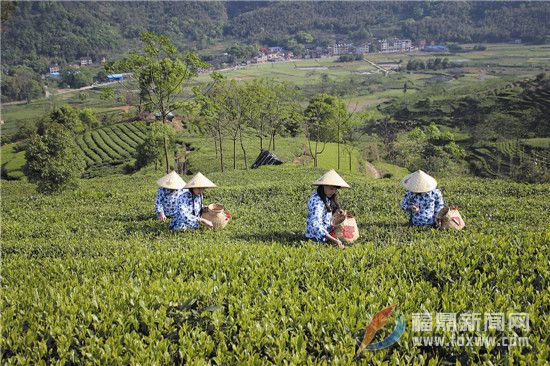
{"x":90,"y":276}
{"x":115,"y":143}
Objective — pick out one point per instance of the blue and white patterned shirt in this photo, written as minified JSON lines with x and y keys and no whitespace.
{"x":167,"y":200}
{"x":188,"y":213}
{"x":429,"y":204}
{"x":318,"y":218}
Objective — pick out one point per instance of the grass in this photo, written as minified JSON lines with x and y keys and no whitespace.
{"x":12,"y":162}
{"x":542,"y":142}
{"x":91,"y":275}
{"x":395,"y":171}
{"x":329,"y":158}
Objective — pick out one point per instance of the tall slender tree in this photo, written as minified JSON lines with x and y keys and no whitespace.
{"x":319,"y":120}
{"x":162,"y":72}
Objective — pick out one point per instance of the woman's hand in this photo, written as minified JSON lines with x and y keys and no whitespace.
{"x":206,"y":222}
{"x":414,"y":208}
{"x":162,"y":216}
{"x":336,"y":242}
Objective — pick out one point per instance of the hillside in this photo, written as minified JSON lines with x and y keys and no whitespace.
{"x":499,"y":121}
{"x":90,"y":275}
{"x":35,"y":33}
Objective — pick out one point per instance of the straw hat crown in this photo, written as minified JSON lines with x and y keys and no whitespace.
{"x":419,"y":182}
{"x":331,"y":178}
{"x":171,"y":180}
{"x":200,"y":181}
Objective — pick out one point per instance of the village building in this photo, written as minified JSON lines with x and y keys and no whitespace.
{"x":86,"y":61}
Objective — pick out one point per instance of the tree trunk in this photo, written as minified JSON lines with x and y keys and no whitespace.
{"x":274,"y":141}
{"x":221,"y":149}
{"x":349,"y":154}
{"x":234,"y":153}
{"x":338,"y":143}
{"x":242,"y":147}
{"x":315,"y":156}
{"x":216,"y":145}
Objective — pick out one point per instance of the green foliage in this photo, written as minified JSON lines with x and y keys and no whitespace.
{"x":70,"y":118}
{"x":111,"y":145}
{"x":53,"y":161}
{"x":152,"y":148}
{"x":162,"y":73}
{"x":350,"y":57}
{"x":437,"y":63}
{"x":323,"y":118}
{"x":241,"y":52}
{"x":89,"y":118}
{"x":123,"y":289}
{"x":37,"y":33}
{"x":430,"y":150}
{"x":75,"y":78}
{"x":107,"y":94}
{"x":22,"y":83}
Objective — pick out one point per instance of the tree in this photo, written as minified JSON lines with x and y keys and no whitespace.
{"x":352,"y":130}
{"x":209,"y":119}
{"x":75,"y":78}
{"x":68,"y":117}
{"x":151,"y":149}
{"x":258,"y":104}
{"x":221,"y":112}
{"x":21,"y":84}
{"x":107,"y":94}
{"x":162,"y":72}
{"x":282,"y":110}
{"x":320,"y":121}
{"x":53,"y":161}
{"x":88,"y":118}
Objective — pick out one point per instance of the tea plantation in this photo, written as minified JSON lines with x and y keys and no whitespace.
{"x":91,"y":277}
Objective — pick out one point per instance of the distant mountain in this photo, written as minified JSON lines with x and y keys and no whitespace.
{"x":36,"y":33}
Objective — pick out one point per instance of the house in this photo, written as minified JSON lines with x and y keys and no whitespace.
{"x":86,"y":61}
{"x":341,"y":49}
{"x":394,"y":45}
{"x":115,"y":77}
{"x":362,"y":49}
{"x":54,"y":68}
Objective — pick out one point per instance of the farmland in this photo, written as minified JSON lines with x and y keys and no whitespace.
{"x":91,"y":276}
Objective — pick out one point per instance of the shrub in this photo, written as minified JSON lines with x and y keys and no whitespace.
{"x":53,"y":161}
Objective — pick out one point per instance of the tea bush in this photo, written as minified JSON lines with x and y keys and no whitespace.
{"x":90,"y":276}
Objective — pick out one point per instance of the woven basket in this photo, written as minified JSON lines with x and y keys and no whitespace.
{"x":218,"y":215}
{"x":450,"y":218}
{"x":344,"y":227}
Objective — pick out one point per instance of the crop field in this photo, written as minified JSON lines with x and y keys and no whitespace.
{"x":90,"y":276}
{"x":111,"y":144}
{"x":15,"y":115}
{"x":496,"y":159}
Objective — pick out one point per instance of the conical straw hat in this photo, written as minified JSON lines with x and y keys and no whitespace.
{"x":419,"y":182}
{"x":331,"y":178}
{"x":200,"y":181}
{"x":171,"y":180}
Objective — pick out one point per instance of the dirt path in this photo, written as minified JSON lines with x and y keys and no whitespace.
{"x":371,"y":171}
